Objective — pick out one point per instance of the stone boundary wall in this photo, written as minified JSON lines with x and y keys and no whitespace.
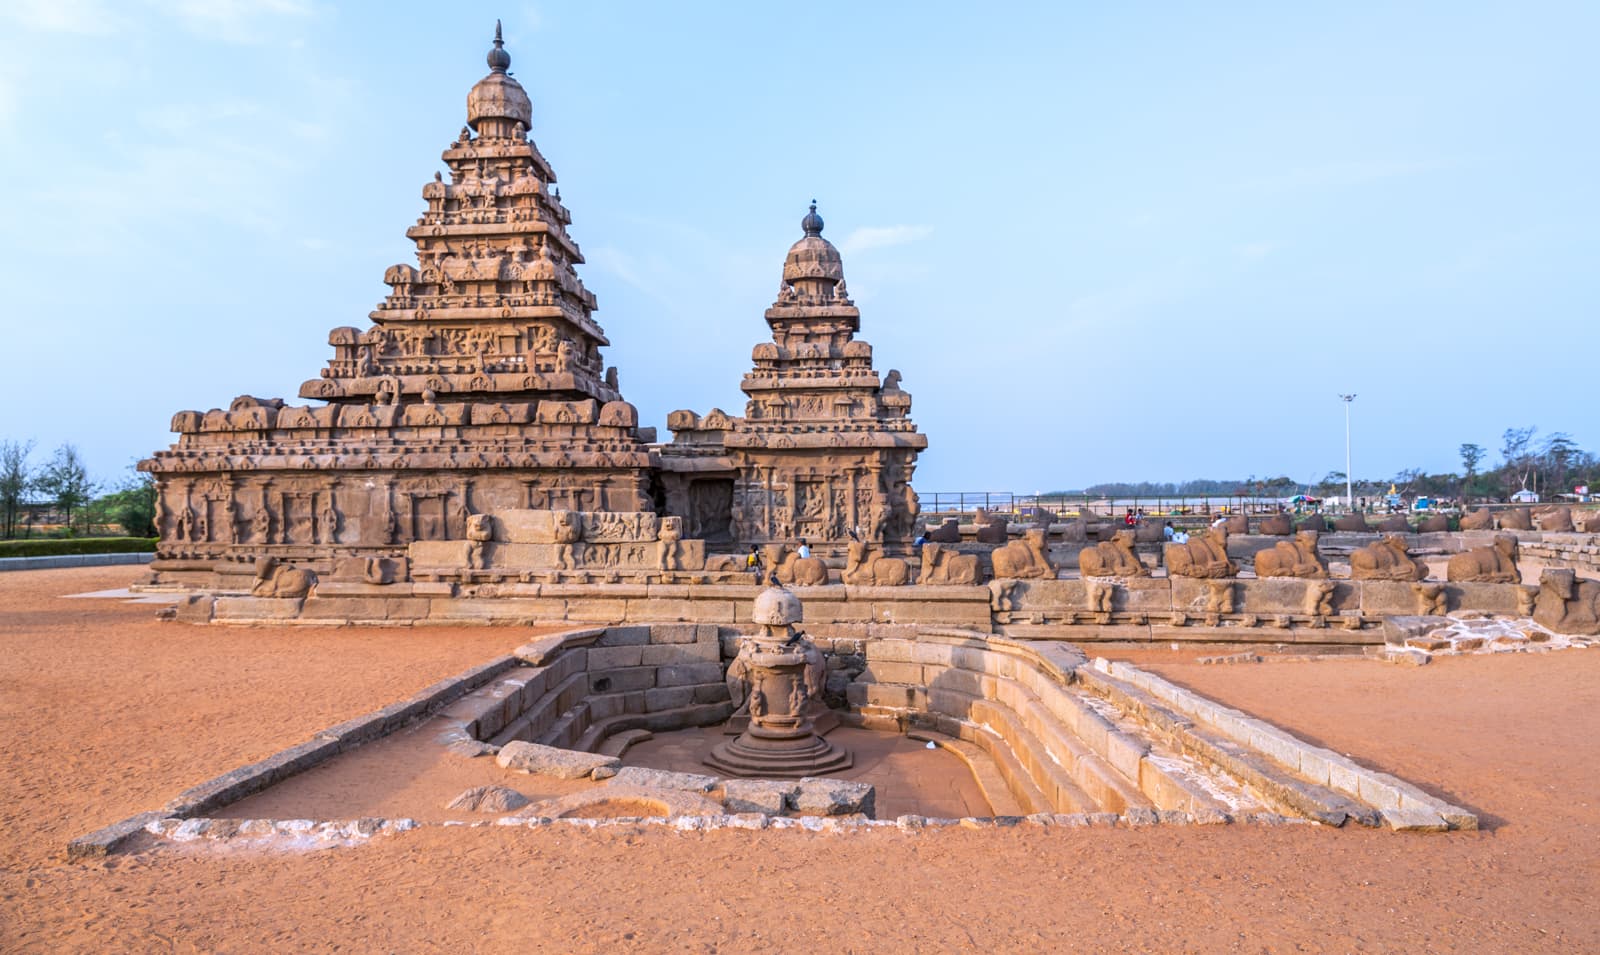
{"x":300,"y":834}
{"x":1014,"y":700}
{"x":1580,"y":552}
{"x":1401,"y":803}
{"x":72,"y":560}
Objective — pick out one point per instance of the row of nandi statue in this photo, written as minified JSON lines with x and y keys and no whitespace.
{"x":1205,"y":556}
{"x":866,"y":565}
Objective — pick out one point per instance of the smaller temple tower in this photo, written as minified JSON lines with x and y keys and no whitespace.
{"x":825,"y":450}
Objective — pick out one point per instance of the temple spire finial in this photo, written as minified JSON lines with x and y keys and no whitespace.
{"x":812,"y":223}
{"x":499,"y":59}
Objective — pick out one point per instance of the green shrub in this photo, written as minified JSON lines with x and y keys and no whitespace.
{"x":42,"y":547}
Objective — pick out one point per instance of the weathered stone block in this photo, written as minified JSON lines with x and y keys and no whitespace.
{"x":894,"y":672}
{"x":769,"y":796}
{"x":622,"y":679}
{"x":662,"y":779}
{"x":669,"y":698}
{"x":833,"y":797}
{"x":633,"y":635}
{"x":688,"y":674}
{"x":607,"y":658}
{"x":538,"y":760}
{"x":681,"y":653}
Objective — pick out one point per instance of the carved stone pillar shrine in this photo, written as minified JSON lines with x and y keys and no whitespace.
{"x":825,"y":449}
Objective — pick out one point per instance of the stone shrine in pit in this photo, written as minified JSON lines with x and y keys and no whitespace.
{"x":478,"y":387}
{"x":825,"y":450}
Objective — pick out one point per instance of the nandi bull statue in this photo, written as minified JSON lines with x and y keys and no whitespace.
{"x":1024,"y":558}
{"x":1204,"y":555}
{"x":1296,"y":558}
{"x":944,"y":565}
{"x":866,"y":566}
{"x":1386,"y":560}
{"x":1112,"y":558}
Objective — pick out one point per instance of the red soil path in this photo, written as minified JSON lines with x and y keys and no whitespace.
{"x":106,"y":712}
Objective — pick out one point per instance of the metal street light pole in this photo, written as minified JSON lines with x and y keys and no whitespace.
{"x":1349,"y":481}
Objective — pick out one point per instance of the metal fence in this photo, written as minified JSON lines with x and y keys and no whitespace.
{"x":1024,"y":507}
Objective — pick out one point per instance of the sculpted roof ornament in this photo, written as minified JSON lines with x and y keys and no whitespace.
{"x":813,"y":257}
{"x":499,"y":59}
{"x":498,"y":96}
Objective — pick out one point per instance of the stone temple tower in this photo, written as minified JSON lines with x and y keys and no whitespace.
{"x":825,"y":450}
{"x":479,"y":386}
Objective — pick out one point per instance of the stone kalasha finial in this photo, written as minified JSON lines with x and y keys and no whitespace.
{"x":777,"y":607}
{"x":499,"y":59}
{"x":812,"y":223}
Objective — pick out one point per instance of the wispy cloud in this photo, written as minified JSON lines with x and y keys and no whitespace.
{"x":1256,"y":251}
{"x":83,"y":17}
{"x":879,"y":237}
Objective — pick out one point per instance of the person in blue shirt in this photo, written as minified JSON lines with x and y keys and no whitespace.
{"x":804,"y":551}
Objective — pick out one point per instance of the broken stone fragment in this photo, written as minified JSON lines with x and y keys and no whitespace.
{"x":769,"y":796}
{"x":833,"y":797}
{"x":662,"y":779}
{"x":488,"y":799}
{"x":537,"y":760}
{"x":471,"y":748}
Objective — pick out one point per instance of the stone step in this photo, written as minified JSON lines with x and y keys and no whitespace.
{"x":617,"y":743}
{"x":993,"y":785}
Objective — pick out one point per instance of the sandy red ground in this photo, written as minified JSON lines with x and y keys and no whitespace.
{"x":107,"y":712}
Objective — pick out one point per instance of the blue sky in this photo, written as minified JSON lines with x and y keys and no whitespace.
{"x":1101,"y":242}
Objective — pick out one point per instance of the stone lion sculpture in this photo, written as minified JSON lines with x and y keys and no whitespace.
{"x":1567,"y":603}
{"x":1023,"y":558}
{"x":1296,"y":558}
{"x":1204,"y":555}
{"x":567,"y":527}
{"x":1395,"y":525}
{"x":667,"y":537}
{"x":1386,"y":560}
{"x":1481,"y":519}
{"x":941,"y":565}
{"x":1495,"y":564}
{"x":1112,"y":558}
{"x":865,"y":567}
{"x":277,"y":579}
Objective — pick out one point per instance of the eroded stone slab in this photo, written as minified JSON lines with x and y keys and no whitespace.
{"x":833,"y":797}
{"x":538,"y":760}
{"x":488,"y":799}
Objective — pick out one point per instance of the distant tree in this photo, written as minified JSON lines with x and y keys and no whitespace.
{"x":16,"y":479}
{"x":1519,"y":464}
{"x":1557,"y":454}
{"x":65,"y":481}
{"x":132,"y":505}
{"x":1471,"y":456}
